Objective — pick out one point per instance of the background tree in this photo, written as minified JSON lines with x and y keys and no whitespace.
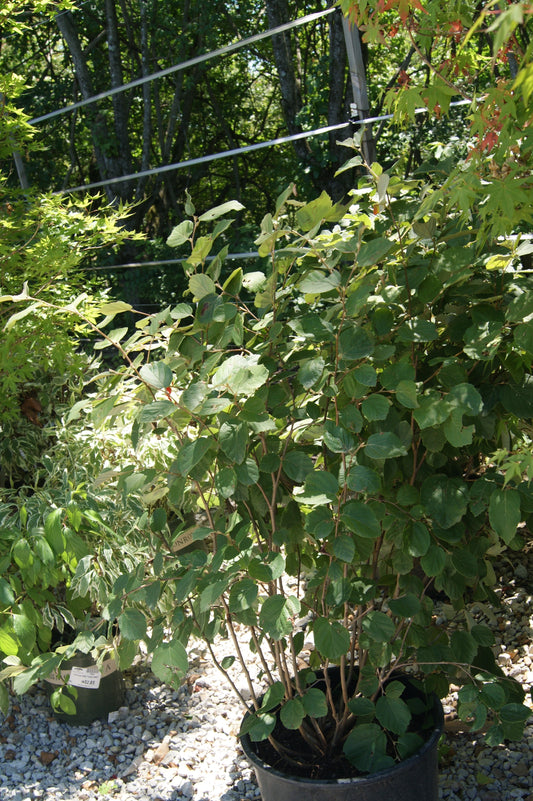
{"x":43,"y":240}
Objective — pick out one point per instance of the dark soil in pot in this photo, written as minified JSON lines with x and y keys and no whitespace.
{"x":427,"y":721}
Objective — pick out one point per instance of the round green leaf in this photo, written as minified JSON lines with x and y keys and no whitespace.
{"x":273,"y":696}
{"x":292,"y":713}
{"x":7,"y":597}
{"x":378,"y":626}
{"x":297,"y":465}
{"x":276,"y":613}
{"x":384,"y":445}
{"x":320,"y":488}
{"x":364,"y":744}
{"x":504,"y":513}
{"x":132,"y":624}
{"x":157,"y":374}
{"x":315,"y":703}
{"x":331,"y":638}
{"x":405,"y":606}
{"x":375,"y":407}
{"x":243,"y":595}
{"x":393,"y":714}
{"x":359,"y":518}
{"x":170,"y":663}
{"x":445,"y":499}
{"x":363,"y":479}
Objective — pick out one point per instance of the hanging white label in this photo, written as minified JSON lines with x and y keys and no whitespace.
{"x":88,"y":677}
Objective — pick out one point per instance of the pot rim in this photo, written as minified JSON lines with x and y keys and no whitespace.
{"x":399,"y":767}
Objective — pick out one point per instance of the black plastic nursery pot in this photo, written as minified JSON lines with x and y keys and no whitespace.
{"x":100,"y":690}
{"x":414,"y":779}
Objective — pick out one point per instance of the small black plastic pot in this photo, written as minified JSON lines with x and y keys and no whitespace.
{"x":413,"y":779}
{"x":99,"y":691}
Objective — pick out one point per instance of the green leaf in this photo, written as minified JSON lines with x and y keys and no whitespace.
{"x":180,"y":234}
{"x":445,"y":499}
{"x":7,"y":597}
{"x":355,"y":343}
{"x":115,"y":307}
{"x":226,"y":482}
{"x":332,"y":639}
{"x":43,"y":551}
{"x":155,"y":411}
{"x":315,"y":212}
{"x":241,"y":375}
{"x":364,"y":745}
{"x":363,"y":708}
{"x":337,"y":439}
{"x":219,"y":211}
{"x":53,"y":530}
{"x":297,"y":465}
{"x":406,"y":393}
{"x":405,"y":606}
{"x":375,"y":407}
{"x":408,"y":744}
{"x":201,"y":285}
{"x":292,"y":713}
{"x":363,"y":479}
{"x":258,"y":727}
{"x":169,"y":663}
{"x":504,"y":513}
{"x":318,"y":283}
{"x":310,"y":372}
{"x":456,"y":433}
{"x":4,"y":699}
{"x":417,"y":539}
{"x":210,"y":595}
{"x":132,"y":624}
{"x":269,"y":568}
{"x":393,"y":714}
{"x":433,"y":561}
{"x":191,"y":454}
{"x":359,"y":518}
{"x":343,"y":548}
{"x":315,"y":703}
{"x":417,"y":330}
{"x":276,"y":613}
{"x":465,"y":563}
{"x":157,"y":374}
{"x":8,"y":643}
{"x":243,"y":595}
{"x":432,"y":410}
{"x":273,"y":696}
{"x":193,"y":397}
{"x":233,"y":436}
{"x":373,"y":252}
{"x":201,"y":250}
{"x":25,"y":631}
{"x":22,"y":553}
{"x":463,"y":647}
{"x":319,"y":488}
{"x":233,"y":284}
{"x":379,"y":626}
{"x":384,"y":445}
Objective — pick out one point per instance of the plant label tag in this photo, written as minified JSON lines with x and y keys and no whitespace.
{"x":88,"y":677}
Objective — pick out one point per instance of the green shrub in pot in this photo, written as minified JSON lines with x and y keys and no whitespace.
{"x":63,"y":544}
{"x":343,"y":438}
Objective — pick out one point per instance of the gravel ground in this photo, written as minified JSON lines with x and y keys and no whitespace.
{"x":167,"y":745}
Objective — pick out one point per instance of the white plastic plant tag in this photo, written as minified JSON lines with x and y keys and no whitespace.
{"x":85,"y":677}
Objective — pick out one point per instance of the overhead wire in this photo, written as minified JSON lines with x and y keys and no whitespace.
{"x":221,"y":51}
{"x":239,"y":150}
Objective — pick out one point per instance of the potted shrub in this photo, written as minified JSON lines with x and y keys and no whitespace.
{"x":63,"y":544}
{"x":344,"y":437}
